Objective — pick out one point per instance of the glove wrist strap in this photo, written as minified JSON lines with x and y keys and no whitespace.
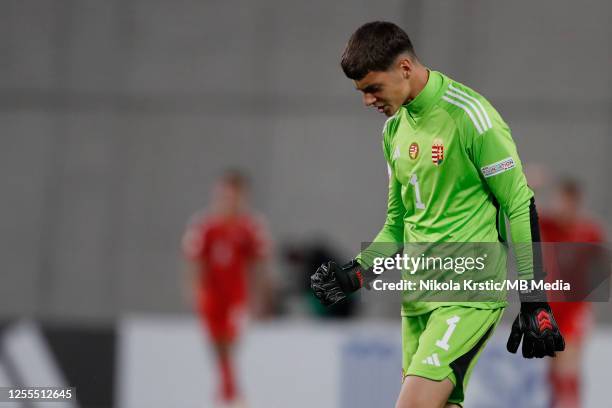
{"x":353,"y":276}
{"x":532,"y":300}
{"x":533,"y":296}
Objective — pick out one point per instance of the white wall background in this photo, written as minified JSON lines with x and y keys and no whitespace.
{"x":164,"y":362}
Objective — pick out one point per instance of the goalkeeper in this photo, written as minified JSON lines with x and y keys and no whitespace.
{"x":454,"y":175}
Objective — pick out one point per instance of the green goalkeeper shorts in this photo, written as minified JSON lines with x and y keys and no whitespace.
{"x":446,"y":343}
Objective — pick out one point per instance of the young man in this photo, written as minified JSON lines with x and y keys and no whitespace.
{"x":453,"y":168}
{"x":566,"y":223}
{"x":222,"y":247}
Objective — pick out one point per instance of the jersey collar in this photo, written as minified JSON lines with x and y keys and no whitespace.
{"x":427,"y":97}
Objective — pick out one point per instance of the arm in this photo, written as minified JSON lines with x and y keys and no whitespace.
{"x":494,"y":153}
{"x":262,"y":283}
{"x":194,"y":274}
{"x":391,"y":236}
{"x":261,"y":274}
{"x":192,"y":245}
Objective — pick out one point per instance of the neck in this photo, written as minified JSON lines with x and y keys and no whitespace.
{"x":228,"y":212}
{"x":417,"y":82}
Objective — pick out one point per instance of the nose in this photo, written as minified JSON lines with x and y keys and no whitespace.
{"x":368,"y":99}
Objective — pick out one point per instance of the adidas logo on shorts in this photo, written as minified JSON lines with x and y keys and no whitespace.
{"x":432,"y":360}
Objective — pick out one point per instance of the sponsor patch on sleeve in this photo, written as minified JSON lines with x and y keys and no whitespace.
{"x":498,"y":167}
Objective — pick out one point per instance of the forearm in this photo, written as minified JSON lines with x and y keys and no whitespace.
{"x":390,"y":238}
{"x":263,"y":285}
{"x":525,"y":232}
{"x":387,"y":243}
{"x":195,"y":272}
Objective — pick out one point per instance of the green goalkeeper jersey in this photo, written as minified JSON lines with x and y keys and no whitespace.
{"x":454,"y":175}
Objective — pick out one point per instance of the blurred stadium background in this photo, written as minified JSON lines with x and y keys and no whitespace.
{"x":117,"y":117}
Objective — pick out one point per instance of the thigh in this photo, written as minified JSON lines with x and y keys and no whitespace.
{"x":224,"y":320}
{"x":450,"y":345}
{"x":419,"y":392}
{"x":412,"y":329}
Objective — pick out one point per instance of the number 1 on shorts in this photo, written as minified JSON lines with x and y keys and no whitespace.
{"x":452,"y":324}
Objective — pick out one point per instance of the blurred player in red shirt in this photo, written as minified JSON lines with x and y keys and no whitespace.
{"x":223,"y":247}
{"x":566,"y":223}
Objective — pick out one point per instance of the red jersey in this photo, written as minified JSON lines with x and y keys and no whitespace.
{"x":570,"y":263}
{"x":582,"y":230}
{"x":226,"y":248}
{"x":573,"y":318}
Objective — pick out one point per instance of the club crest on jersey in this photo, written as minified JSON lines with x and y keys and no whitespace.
{"x":437,"y":152}
{"x":413,"y":151}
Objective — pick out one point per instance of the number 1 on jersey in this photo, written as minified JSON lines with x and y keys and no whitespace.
{"x":417,"y":192}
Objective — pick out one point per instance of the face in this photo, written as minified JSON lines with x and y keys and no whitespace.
{"x":386,"y":91}
{"x":228,"y":198}
{"x":567,"y":204}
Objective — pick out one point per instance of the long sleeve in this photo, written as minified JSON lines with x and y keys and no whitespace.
{"x":391,"y":236}
{"x":495,"y":155}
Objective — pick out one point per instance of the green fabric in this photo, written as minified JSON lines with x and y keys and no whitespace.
{"x":455,"y":198}
{"x":434,"y":340}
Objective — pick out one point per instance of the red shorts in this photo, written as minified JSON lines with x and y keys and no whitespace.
{"x":574,"y":319}
{"x":223,"y":319}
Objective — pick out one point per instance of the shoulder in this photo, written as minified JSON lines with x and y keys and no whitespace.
{"x":549,"y":227}
{"x":255,"y":222}
{"x":470,"y":111}
{"x":201,"y":220}
{"x":591,"y":229}
{"x":258,"y":232}
{"x":196,"y":233}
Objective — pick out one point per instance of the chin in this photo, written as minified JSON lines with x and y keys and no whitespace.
{"x":390,"y":111}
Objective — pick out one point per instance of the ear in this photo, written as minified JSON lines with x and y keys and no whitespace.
{"x":405,"y":65}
